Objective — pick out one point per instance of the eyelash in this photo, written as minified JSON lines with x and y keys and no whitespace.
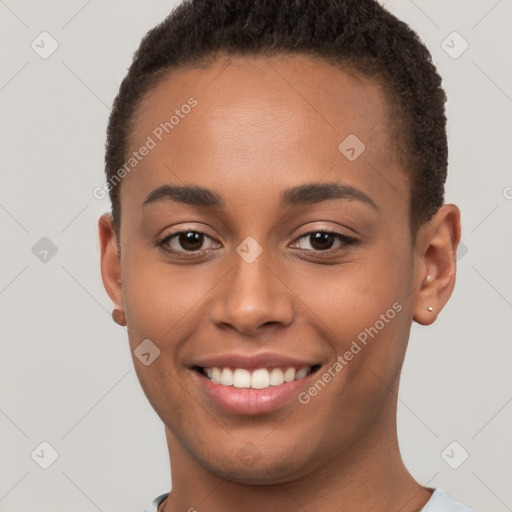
{"x":345,"y":241}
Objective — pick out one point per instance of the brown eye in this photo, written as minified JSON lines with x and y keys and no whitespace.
{"x":184,"y":242}
{"x":191,"y":240}
{"x":324,"y":241}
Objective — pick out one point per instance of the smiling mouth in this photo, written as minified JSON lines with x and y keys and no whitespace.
{"x":260,"y":378}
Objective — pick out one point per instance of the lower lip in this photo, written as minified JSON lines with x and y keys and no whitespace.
{"x":250,"y":401}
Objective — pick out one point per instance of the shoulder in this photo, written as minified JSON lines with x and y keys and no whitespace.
{"x":441,"y":502}
{"x":152,"y":507}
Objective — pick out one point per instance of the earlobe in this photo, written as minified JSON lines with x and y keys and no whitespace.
{"x":436,"y":245}
{"x":119,"y":317}
{"x":111,"y":266}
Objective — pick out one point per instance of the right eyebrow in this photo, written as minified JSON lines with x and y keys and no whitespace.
{"x":188,"y":194}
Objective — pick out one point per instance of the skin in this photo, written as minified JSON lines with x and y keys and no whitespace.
{"x":263,"y":125}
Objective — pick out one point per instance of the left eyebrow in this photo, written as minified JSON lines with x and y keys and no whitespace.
{"x":312,"y":193}
{"x":309,"y":193}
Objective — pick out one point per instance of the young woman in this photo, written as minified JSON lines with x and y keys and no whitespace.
{"x":276,"y":171}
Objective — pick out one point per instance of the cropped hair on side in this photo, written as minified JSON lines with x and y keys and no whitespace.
{"x":358,"y":36}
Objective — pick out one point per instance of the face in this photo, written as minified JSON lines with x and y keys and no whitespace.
{"x":292,"y":250}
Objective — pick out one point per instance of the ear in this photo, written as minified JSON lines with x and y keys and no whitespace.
{"x":110,"y":260}
{"x":436,"y":263}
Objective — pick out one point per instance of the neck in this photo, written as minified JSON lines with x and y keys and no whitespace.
{"x":370,"y":476}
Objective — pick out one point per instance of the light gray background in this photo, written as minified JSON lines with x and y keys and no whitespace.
{"x":66,"y":375}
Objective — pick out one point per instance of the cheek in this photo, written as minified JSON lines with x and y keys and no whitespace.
{"x":366,"y":310}
{"x":355,"y":295}
{"x":159,"y":298}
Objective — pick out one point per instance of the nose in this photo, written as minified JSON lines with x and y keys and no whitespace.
{"x":250,"y":297}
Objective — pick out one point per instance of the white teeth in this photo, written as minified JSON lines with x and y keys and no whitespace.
{"x":276,"y":377}
{"x":301,"y":373}
{"x":241,"y":378}
{"x":261,"y":378}
{"x":289,"y":374}
{"x":226,"y":377}
{"x":215,"y":375}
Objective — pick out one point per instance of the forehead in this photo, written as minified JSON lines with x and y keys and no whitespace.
{"x":257,"y":120}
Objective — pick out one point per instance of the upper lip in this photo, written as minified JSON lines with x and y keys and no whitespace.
{"x":253,"y":362}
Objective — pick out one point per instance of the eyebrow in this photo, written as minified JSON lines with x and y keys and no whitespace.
{"x":309,"y":193}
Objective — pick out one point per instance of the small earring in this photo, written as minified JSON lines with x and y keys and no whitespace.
{"x":428,"y":279}
{"x":119,"y":317}
{"x":430,"y":308}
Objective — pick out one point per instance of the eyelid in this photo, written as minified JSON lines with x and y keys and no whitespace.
{"x":162,"y":241}
{"x":328,"y":229}
{"x":184,"y":229}
{"x":344,"y":239}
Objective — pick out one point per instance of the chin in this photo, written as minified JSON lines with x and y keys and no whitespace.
{"x":250,"y":466}
{"x":263,"y":474}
